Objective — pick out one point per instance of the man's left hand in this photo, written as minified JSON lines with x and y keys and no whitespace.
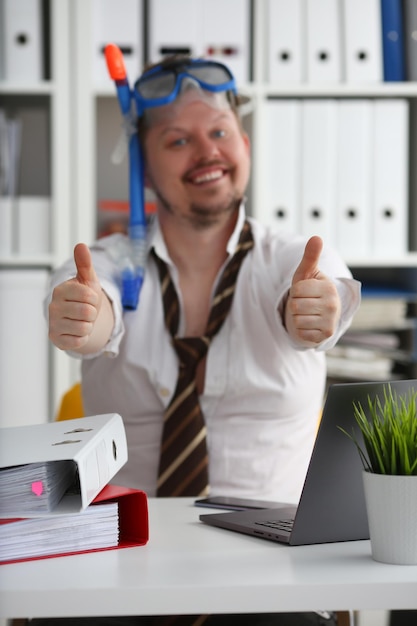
{"x":313,"y":306}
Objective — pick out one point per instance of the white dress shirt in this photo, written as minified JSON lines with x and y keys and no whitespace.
{"x":262,"y":395}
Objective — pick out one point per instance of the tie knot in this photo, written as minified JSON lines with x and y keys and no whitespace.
{"x":190,"y":350}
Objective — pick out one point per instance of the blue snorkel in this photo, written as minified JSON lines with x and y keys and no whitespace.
{"x":132,"y":263}
{"x":158,"y":86}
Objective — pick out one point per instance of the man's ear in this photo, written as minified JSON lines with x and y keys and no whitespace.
{"x":246,"y":141}
{"x":146,"y":180}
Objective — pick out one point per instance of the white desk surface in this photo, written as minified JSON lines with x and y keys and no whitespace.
{"x":188,"y":567}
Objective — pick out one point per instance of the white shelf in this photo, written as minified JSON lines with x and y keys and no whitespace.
{"x":408,"y":260}
{"x":27,"y":89}
{"x":308,"y":90}
{"x":339,"y":90}
{"x":47,"y":261}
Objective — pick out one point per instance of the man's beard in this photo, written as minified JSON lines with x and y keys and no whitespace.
{"x":204,"y":216}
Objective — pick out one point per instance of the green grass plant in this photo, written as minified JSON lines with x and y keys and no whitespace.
{"x":389,"y":429}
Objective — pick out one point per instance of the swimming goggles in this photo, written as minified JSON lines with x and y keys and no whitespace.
{"x":161,"y":84}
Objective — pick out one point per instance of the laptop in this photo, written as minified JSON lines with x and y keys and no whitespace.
{"x":332,"y":504}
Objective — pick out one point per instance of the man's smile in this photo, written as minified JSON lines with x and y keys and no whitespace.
{"x":208,"y":176}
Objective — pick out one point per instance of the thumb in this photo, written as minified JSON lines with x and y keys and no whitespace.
{"x":308,"y":267}
{"x":86,"y":273}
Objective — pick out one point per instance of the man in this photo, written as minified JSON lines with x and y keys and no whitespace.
{"x":261,"y":380}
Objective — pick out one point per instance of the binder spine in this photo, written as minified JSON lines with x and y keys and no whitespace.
{"x":393,"y":40}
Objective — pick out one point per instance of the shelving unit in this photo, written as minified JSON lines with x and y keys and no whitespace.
{"x":85,"y":125}
{"x":55,"y":94}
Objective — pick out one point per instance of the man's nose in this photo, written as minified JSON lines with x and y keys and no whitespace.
{"x":206,"y":147}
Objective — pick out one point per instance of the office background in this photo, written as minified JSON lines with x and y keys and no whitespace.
{"x":333,"y":125}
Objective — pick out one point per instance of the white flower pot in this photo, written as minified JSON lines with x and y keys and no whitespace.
{"x":391,"y":503}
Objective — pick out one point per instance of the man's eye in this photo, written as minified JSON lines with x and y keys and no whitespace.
{"x":181,"y":141}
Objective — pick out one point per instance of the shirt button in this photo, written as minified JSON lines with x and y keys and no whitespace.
{"x":164,"y":392}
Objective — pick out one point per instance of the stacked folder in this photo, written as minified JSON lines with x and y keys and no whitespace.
{"x":377,"y":347}
{"x":354,"y":41}
{"x":55,"y":496}
{"x":183,"y":26}
{"x":22,"y":35}
{"x":25,"y":186}
{"x":338,"y":169}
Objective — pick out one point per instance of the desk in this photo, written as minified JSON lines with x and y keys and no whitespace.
{"x":188,"y":567}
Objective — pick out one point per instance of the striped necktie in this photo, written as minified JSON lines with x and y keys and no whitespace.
{"x":183,"y":465}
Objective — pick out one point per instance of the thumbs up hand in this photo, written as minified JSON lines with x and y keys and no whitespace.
{"x":86,"y":274}
{"x":80,"y":314}
{"x":313,"y":306}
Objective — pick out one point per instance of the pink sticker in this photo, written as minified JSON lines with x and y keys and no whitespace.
{"x":37,"y":488}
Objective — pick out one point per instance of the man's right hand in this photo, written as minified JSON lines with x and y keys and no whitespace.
{"x":80,"y":314}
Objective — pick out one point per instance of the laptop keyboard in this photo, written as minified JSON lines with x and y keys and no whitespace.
{"x":279,"y":524}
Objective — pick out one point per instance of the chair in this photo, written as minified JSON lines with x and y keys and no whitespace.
{"x":71,"y":406}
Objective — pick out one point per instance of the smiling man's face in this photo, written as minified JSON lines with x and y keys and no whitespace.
{"x":197,"y":160}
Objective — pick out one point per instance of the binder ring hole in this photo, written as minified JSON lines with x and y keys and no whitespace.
{"x":22,"y":39}
{"x":351,"y":213}
{"x":285,"y":55}
{"x":167,"y":50}
{"x":315,"y":213}
{"x":362,"y":55}
{"x":323,"y":55}
{"x":126,"y":50}
{"x":280,"y":213}
{"x":114,"y":447}
{"x":388,"y":213}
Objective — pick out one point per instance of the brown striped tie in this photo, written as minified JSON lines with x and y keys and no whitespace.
{"x":183,"y":466}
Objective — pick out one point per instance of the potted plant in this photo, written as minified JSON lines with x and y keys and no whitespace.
{"x":389,"y":456}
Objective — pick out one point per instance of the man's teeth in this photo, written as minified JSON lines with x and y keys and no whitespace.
{"x":207,"y":177}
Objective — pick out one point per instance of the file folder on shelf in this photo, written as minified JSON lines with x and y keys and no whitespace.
{"x":200,"y":31}
{"x":323,"y":41}
{"x":318,"y":168}
{"x":362,"y":40}
{"x":353,"y":194}
{"x":227,"y":39}
{"x":33,"y":176}
{"x":118,"y":22}
{"x":393,"y":40}
{"x":187,"y":35}
{"x":6,"y":226}
{"x":33,"y":225}
{"x":410,"y":39}
{"x":96,"y":445}
{"x":132,"y":515}
{"x":25,"y":349}
{"x":286,"y":41}
{"x":390,"y":186}
{"x":10,"y":149}
{"x":282,"y":165}
{"x":22,"y":45}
